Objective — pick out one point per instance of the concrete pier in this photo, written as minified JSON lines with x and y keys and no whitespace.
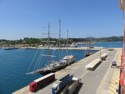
{"x":65,"y":48}
{"x":92,"y":82}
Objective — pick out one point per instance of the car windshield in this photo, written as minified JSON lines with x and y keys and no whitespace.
{"x":113,"y":62}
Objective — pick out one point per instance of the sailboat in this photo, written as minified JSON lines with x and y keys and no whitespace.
{"x":52,"y":66}
{"x":69,"y":59}
{"x":56,"y":65}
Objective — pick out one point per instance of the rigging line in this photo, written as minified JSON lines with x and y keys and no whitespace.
{"x":62,"y":50}
{"x":66,"y":48}
{"x":32,"y":61}
{"x":53,"y":52}
{"x":38,"y":63}
{"x":49,"y":57}
{"x":67,"y":43}
{"x":37,"y":60}
{"x":38,"y":67}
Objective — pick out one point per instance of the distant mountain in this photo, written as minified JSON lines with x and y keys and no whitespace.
{"x":101,"y":39}
{"x":63,"y":40}
{"x":3,"y":40}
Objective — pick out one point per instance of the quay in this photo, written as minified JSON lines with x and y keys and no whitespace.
{"x":65,"y":48}
{"x":103,"y":80}
{"x":57,"y":48}
{"x":79,"y":48}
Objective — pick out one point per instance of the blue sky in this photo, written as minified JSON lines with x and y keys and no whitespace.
{"x":83,"y":18}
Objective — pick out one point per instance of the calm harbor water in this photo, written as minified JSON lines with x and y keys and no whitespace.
{"x":117,"y":44}
{"x":14,"y":65}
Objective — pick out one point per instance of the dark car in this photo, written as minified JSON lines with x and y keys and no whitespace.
{"x":114,"y":63}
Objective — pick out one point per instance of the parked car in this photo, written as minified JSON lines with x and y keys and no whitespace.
{"x":114,"y":63}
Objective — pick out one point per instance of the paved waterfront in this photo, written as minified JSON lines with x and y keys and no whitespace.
{"x":91,"y":80}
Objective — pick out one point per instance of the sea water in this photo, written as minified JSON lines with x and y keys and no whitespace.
{"x":14,"y":64}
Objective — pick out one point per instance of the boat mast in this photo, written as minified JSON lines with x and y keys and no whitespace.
{"x":49,"y":42}
{"x":67,"y":42}
{"x":59,"y":37}
{"x":87,"y":48}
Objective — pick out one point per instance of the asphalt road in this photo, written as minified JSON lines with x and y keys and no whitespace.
{"x":92,"y":80}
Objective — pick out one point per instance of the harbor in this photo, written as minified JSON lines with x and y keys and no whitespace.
{"x":15,"y":63}
{"x":74,"y":48}
{"x":62,"y":47}
{"x":91,"y":81}
{"x":57,"y":48}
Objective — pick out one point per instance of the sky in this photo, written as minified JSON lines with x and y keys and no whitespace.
{"x":82,"y":18}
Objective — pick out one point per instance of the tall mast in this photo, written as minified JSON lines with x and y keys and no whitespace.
{"x":67,"y":41}
{"x":49,"y":42}
{"x":59,"y":37}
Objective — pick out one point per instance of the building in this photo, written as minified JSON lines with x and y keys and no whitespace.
{"x":122,"y":74}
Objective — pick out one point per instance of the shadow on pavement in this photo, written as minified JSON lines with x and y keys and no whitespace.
{"x":78,"y":88}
